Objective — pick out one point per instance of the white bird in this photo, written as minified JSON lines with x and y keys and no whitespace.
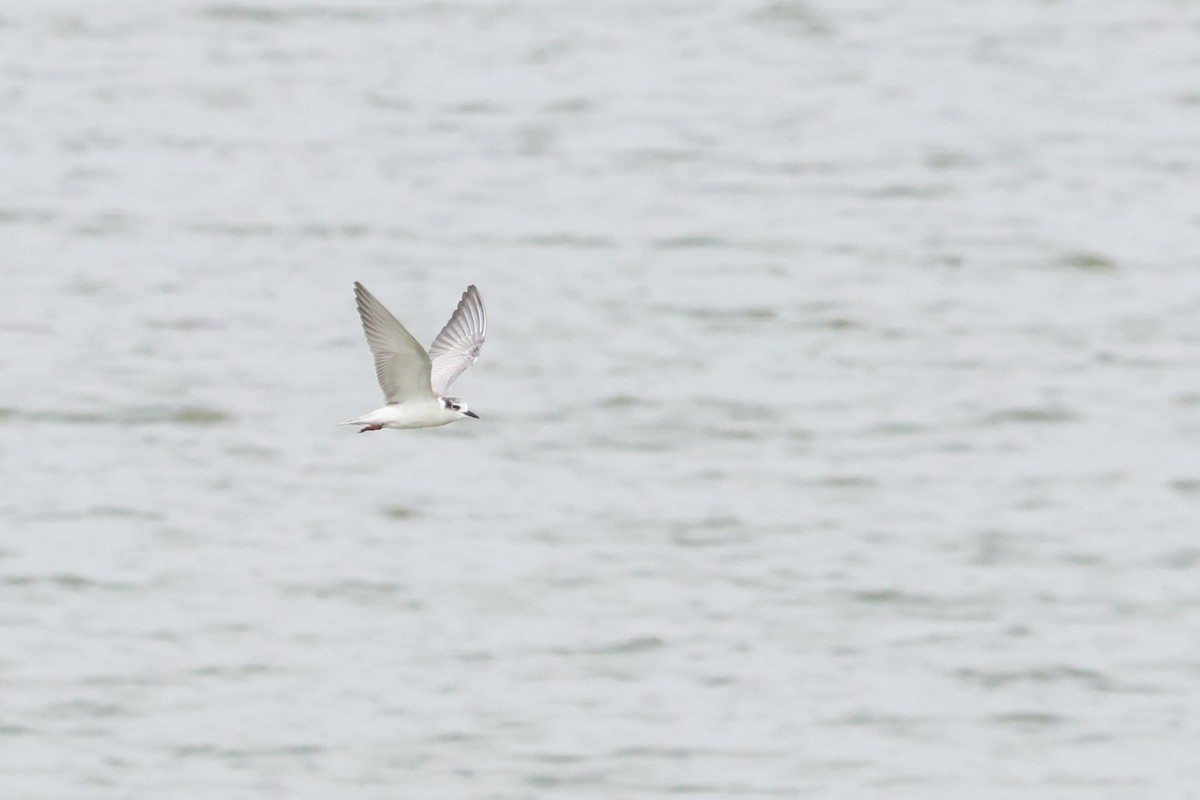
{"x":415,"y":382}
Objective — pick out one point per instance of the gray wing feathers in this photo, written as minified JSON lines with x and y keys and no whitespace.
{"x":401,"y":364}
{"x":459,"y":343}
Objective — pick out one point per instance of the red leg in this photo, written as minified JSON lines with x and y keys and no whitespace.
{"x":371,"y":428}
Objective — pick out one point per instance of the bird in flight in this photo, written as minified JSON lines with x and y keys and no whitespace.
{"x":414,"y":381}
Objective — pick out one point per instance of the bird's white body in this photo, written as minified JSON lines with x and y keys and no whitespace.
{"x":415,"y":381}
{"x":409,"y":415}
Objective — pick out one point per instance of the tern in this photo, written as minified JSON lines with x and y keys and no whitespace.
{"x":414,"y":381}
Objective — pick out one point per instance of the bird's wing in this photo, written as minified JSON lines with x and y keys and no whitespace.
{"x":401,"y":364}
{"x":459,"y":343}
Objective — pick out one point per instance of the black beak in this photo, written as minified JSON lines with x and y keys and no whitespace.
{"x":471,"y":414}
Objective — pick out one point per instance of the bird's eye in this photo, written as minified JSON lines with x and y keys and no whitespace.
{"x":456,"y":407}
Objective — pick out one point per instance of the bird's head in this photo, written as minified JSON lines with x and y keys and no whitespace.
{"x":456,"y":406}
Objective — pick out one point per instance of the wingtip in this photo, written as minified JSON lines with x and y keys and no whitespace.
{"x":363,"y":296}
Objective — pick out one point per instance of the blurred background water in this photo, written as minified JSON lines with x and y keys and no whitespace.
{"x":840,"y":403}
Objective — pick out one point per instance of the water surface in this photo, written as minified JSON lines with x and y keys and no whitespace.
{"x":839,"y":405}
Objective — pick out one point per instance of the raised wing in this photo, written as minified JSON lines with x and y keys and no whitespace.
{"x":459,"y":343}
{"x":401,"y":364}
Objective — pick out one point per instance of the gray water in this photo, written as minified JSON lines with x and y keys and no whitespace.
{"x":841,"y":400}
